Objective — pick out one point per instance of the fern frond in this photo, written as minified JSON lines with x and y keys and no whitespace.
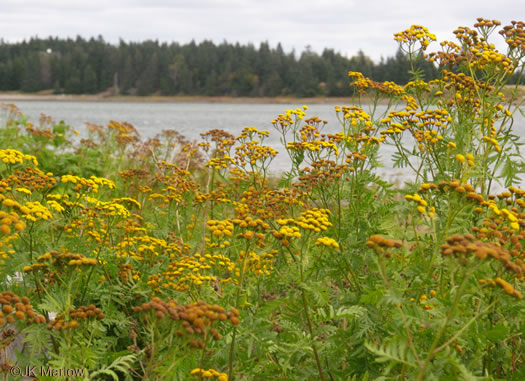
{"x":120,"y":364}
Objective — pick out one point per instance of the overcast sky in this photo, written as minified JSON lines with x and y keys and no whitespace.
{"x":343,"y":25}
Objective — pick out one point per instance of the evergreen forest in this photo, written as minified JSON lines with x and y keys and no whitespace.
{"x":93,"y":66}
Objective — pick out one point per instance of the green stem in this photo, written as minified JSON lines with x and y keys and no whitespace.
{"x":458,"y":333}
{"x":307,"y":317}
{"x":401,"y":313}
{"x":237,"y":301}
{"x":93,"y":267}
{"x":432,"y":352}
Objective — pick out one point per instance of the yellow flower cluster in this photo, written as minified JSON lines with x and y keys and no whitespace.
{"x":123,"y":128}
{"x":12,"y":156}
{"x":103,"y":182}
{"x":486,"y":55}
{"x":411,"y":103}
{"x":315,"y":146}
{"x":507,"y":287}
{"x":415,"y":33}
{"x":517,"y":191}
{"x":389,"y":87}
{"x":24,"y":190}
{"x":355,"y":115}
{"x":247,"y":221}
{"x":210,"y":373}
{"x":511,"y":216}
{"x":83,"y":261}
{"x":187,"y":271}
{"x":423,"y":301}
{"x":418,"y":85}
{"x":34,"y":210}
{"x":223,"y":142}
{"x":140,"y":247}
{"x":109,"y":208}
{"x":288,"y":231}
{"x":252,"y":152}
{"x":427,"y":126}
{"x":309,"y":133}
{"x":251,"y":132}
{"x":327,"y":241}
{"x":169,"y":194}
{"x":422,"y":204}
{"x":482,"y":55}
{"x":127,"y":199}
{"x":426,"y":138}
{"x":55,"y":205}
{"x":396,"y":127}
{"x":298,"y":113}
{"x":363,"y":84}
{"x":314,"y":219}
{"x":181,"y":275}
{"x":92,"y":183}
{"x":493,"y":142}
{"x":469,"y":158}
{"x":6,"y":247}
{"x":283,"y":122}
{"x":368,"y":140}
{"x":10,"y":219}
{"x":220,"y":228}
{"x":259,"y":263}
{"x":219,"y":163}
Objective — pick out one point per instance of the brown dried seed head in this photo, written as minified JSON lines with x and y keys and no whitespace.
{"x":20,"y":315}
{"x":7,"y":309}
{"x":235,"y":320}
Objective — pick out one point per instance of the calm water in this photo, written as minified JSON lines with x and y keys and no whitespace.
{"x":191,"y":119}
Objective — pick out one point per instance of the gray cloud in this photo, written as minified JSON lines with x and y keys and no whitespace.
{"x":343,"y":25}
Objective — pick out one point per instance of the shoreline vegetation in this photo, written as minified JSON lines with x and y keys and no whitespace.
{"x":48,"y":95}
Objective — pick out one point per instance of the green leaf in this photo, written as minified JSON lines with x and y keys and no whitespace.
{"x":391,"y":352}
{"x":372,"y":297}
{"x":499,"y":332}
{"x":121,"y":364}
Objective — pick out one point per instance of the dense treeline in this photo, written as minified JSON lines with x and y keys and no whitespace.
{"x":83,"y":66}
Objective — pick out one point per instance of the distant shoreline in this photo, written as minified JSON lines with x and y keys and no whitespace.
{"x":7,"y":97}
{"x":15,"y":96}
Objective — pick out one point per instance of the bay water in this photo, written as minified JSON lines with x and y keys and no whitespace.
{"x":192,"y":119}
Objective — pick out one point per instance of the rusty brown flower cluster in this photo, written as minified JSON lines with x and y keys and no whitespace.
{"x":465,"y":246}
{"x":514,"y":35}
{"x":382,"y":245}
{"x":320,"y":174}
{"x":60,"y":259}
{"x":32,"y":179}
{"x":15,"y":308}
{"x":77,"y":315}
{"x":197,"y":318}
{"x":506,"y":286}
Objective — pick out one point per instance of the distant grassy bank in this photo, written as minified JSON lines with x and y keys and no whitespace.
{"x":18,"y":96}
{"x":15,"y":96}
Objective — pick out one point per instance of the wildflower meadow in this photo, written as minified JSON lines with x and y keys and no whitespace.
{"x":167,"y":259}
